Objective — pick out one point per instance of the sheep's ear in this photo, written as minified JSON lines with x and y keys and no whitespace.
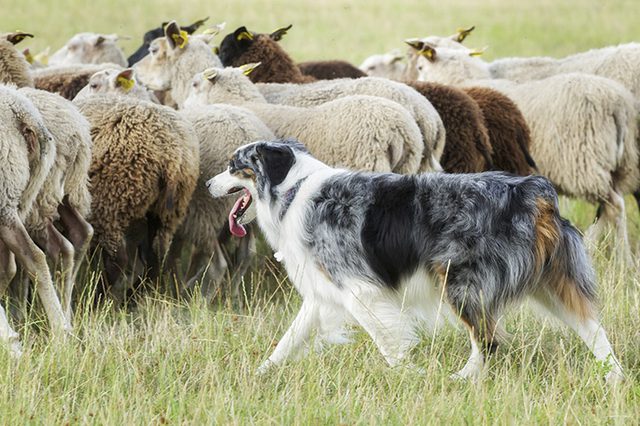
{"x":428,"y":52}
{"x":279,"y":33}
{"x":415,"y":43}
{"x":242,"y":34}
{"x":248,"y":68}
{"x":28,"y":56}
{"x":125,"y":79}
{"x":477,"y":52}
{"x":462,"y":33}
{"x":17,"y":36}
{"x":210,"y":74}
{"x":396,"y":56}
{"x":175,"y":36}
{"x":194,"y":27}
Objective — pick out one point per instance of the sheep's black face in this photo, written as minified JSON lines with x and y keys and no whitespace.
{"x":234,"y":45}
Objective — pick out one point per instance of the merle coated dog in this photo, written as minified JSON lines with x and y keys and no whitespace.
{"x":392,"y":252}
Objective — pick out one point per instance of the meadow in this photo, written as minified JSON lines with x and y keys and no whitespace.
{"x":171,"y":362}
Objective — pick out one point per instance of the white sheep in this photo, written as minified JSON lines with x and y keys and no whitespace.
{"x":117,"y":82}
{"x":90,"y":48}
{"x":314,"y":94}
{"x":173,"y":60}
{"x":28,"y":151}
{"x":583,"y":129}
{"x":389,"y":65}
{"x":65,"y":196}
{"x":359,"y":132}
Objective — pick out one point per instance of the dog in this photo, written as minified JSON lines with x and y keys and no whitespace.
{"x":391,"y":252}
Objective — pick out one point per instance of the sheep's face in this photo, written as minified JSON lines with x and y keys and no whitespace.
{"x":448,"y":66}
{"x":154,"y":70}
{"x":388,"y":65}
{"x":221,"y":85}
{"x":234,"y":45}
{"x":112,"y":81}
{"x":89,"y":48}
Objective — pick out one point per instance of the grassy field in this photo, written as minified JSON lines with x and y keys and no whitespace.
{"x":170,"y":362}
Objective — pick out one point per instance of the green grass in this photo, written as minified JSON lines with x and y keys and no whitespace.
{"x":168,"y":361}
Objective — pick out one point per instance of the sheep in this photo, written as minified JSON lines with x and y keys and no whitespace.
{"x":330,"y":70}
{"x":173,"y":60}
{"x":467,"y":148}
{"x":155,"y":33}
{"x":65,"y":194}
{"x":117,"y":82}
{"x":13,"y":66}
{"x":37,"y":61}
{"x":244,"y":47}
{"x":388,"y":65}
{"x":583,"y":130}
{"x":67,"y":80}
{"x":221,"y":129}
{"x":508,"y":131}
{"x":90,"y":48}
{"x":28,"y":150}
{"x":144,"y":166}
{"x":360,"y":132}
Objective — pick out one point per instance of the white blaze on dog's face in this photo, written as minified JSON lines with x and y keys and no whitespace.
{"x":255,"y":170}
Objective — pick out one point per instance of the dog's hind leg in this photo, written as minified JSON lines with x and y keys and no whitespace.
{"x":295,"y":338}
{"x":391,"y":329}
{"x":587,"y":326}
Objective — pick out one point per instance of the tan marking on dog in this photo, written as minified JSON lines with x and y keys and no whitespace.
{"x":245,"y":173}
{"x":547,"y":233}
{"x":567,"y":291}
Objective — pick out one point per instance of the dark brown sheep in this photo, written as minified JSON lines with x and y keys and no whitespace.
{"x":467,"y":148}
{"x":330,"y":70}
{"x":508,"y":131}
{"x":244,"y":47}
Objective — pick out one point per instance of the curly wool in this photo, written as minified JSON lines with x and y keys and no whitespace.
{"x":14,"y":68}
{"x":145,"y":160}
{"x":330,"y":70}
{"x":509,"y":133}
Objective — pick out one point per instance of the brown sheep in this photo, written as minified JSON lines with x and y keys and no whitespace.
{"x":330,"y":70}
{"x":467,"y":148}
{"x":145,"y":166}
{"x":244,"y":47}
{"x":508,"y":131}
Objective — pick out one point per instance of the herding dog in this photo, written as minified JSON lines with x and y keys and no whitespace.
{"x":384,"y":250}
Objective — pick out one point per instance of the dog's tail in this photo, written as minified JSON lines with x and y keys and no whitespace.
{"x":571,"y":276}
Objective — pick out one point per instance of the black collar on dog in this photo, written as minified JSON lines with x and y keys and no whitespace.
{"x":289,"y":196}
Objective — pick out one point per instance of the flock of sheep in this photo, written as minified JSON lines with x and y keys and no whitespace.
{"x":109,"y":154}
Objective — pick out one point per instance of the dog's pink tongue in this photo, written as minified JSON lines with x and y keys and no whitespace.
{"x":235,"y":228}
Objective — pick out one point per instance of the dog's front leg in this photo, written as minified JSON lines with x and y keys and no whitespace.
{"x":296,"y":336}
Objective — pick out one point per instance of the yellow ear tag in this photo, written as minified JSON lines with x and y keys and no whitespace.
{"x":428,"y":53}
{"x":28,"y":56}
{"x":248,"y":68}
{"x":216,"y":50}
{"x":210,"y":74}
{"x":245,"y":36}
{"x":181,"y":39}
{"x":477,"y":52}
{"x":126,"y":83}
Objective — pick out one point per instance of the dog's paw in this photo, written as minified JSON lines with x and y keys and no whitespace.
{"x":264,"y":367}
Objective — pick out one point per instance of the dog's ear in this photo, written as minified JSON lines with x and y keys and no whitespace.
{"x":276,"y":161}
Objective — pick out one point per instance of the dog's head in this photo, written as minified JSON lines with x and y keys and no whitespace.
{"x":256,"y":170}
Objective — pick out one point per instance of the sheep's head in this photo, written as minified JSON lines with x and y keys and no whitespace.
{"x":238,"y":43}
{"x":90,"y":48}
{"x":389,"y":65}
{"x":117,"y":82}
{"x":453,"y":41}
{"x":155,"y":69}
{"x":223,"y":85}
{"x":446,"y":65}
{"x":158,"y":32}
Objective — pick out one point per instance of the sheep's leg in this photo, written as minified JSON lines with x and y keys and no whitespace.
{"x":611,"y":211}
{"x":7,"y":272}
{"x":244,"y":256}
{"x":15,"y":236}
{"x":58,"y":248}
{"x":211,"y":269}
{"x":78,"y":231}
{"x":114,"y":269}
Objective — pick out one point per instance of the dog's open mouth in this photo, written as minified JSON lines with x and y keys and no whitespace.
{"x":238,"y":210}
